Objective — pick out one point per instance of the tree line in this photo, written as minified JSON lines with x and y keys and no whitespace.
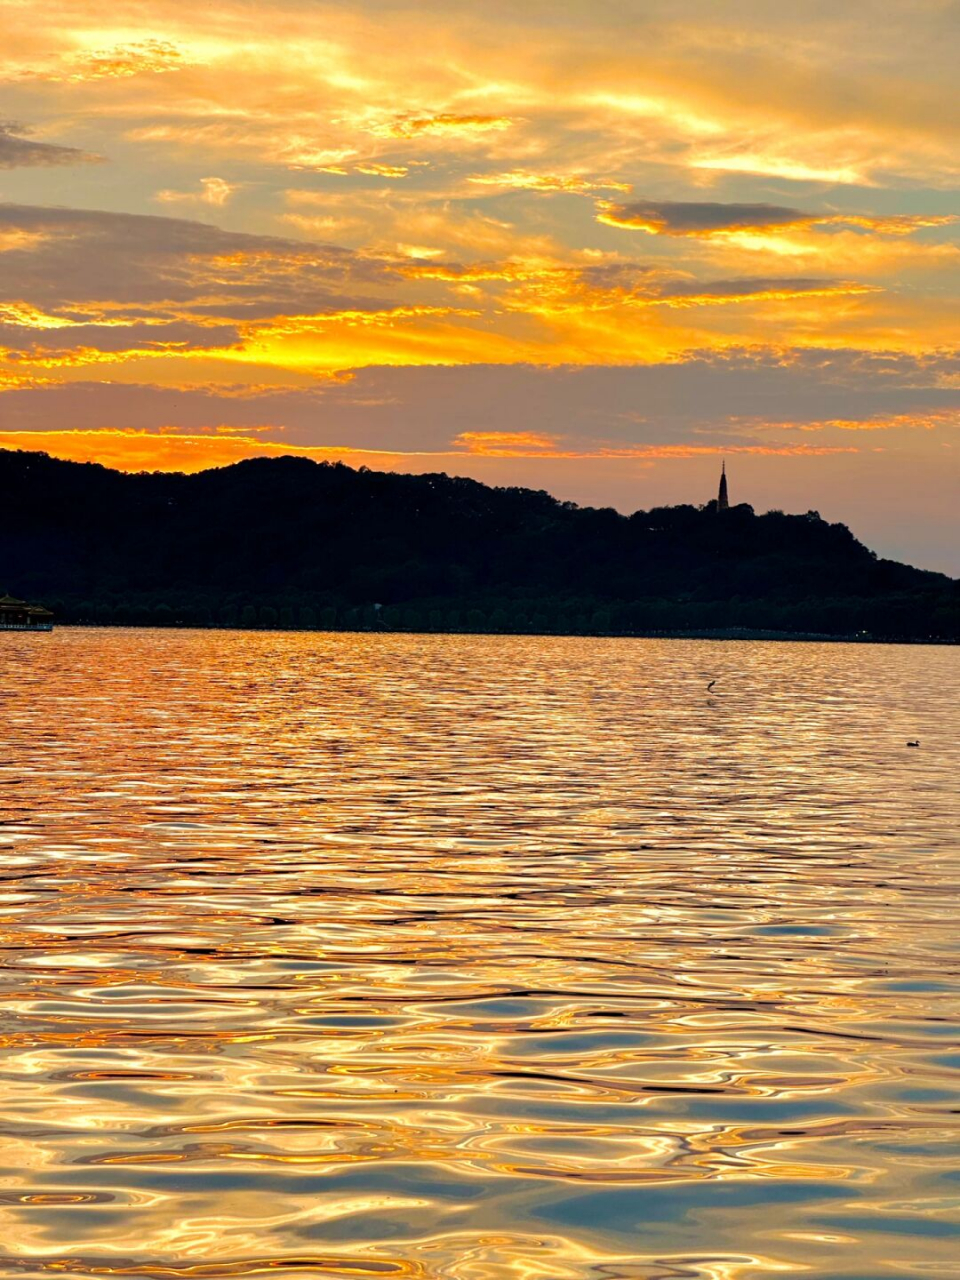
{"x":295,"y":544}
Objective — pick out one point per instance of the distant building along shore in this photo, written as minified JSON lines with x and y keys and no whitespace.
{"x":17,"y":615}
{"x":723,"y":502}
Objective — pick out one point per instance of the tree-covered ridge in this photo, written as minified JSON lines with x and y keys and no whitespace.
{"x":291,"y":542}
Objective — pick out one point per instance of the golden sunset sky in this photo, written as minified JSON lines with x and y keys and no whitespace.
{"x":588,"y":245}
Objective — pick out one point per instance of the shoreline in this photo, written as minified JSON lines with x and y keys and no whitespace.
{"x":718,"y":634}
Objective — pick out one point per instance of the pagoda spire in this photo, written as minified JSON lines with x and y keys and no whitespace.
{"x":723,"y":502}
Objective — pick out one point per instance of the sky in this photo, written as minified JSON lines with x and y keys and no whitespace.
{"x":589,"y":246}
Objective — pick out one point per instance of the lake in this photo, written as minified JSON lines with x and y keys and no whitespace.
{"x":478,"y":957}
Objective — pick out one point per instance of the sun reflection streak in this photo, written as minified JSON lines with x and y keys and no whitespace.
{"x":373,"y":956}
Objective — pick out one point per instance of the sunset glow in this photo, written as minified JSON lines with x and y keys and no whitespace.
{"x":516,"y":242}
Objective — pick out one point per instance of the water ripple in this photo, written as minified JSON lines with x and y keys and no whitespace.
{"x":477,"y":958}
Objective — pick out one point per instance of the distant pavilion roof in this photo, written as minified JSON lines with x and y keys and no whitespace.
{"x":10,"y":604}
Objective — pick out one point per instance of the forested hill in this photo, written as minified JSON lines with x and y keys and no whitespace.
{"x":290,"y":542}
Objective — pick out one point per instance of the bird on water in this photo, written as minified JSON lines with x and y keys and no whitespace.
{"x":710,"y":685}
{"x":915,"y":743}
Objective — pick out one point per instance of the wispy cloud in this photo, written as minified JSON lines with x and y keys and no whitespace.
{"x":138,"y":450}
{"x":443,"y":124}
{"x":524,"y":444}
{"x":383,"y":170}
{"x":116,"y":62}
{"x":709,"y":218}
{"x":140,"y":57}
{"x":213,"y":191}
{"x":524,"y":180}
{"x":19,"y":150}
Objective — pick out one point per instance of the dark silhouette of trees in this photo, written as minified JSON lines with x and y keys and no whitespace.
{"x":288,"y":543}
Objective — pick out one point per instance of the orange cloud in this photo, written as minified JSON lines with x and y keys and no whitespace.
{"x":80,"y":357}
{"x":299,"y":326}
{"x":17,"y":382}
{"x":755,"y":291}
{"x":573,"y":292}
{"x":131,"y":450}
{"x":441,"y":125}
{"x":119,"y":62}
{"x":369,"y":168}
{"x":213,"y":191}
{"x":28,"y":317}
{"x":924,"y":421}
{"x":769,"y":164}
{"x":511,"y":270}
{"x":522,"y":180}
{"x":301,"y":154}
{"x":383,"y":170}
{"x":523,"y":444}
{"x":900,"y":224}
{"x":510,"y":444}
{"x":709,"y":219}
{"x":138,"y":58}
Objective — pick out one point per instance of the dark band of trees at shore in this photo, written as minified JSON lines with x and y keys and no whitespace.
{"x":294,"y":544}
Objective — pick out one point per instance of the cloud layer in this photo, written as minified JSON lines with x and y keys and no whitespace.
{"x":585,"y":246}
{"x":18,"y":150}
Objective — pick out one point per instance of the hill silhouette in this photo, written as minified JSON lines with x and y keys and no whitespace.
{"x":294,"y":543}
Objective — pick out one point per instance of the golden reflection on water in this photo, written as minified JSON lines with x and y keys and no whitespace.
{"x":477,"y":958}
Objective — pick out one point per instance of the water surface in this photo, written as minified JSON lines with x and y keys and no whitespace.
{"x":477,"y":957}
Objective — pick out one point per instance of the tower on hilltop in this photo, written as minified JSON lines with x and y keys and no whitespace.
{"x":723,"y":502}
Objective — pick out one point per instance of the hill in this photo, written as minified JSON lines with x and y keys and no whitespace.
{"x":291,"y":542}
